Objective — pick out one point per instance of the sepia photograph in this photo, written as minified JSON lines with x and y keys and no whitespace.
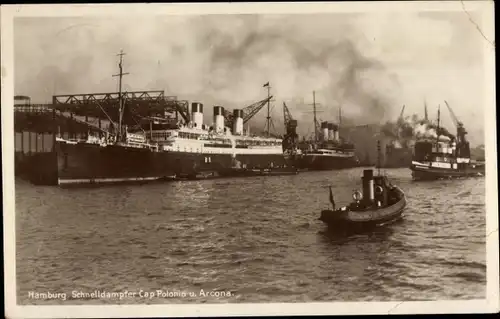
{"x":249,"y":159}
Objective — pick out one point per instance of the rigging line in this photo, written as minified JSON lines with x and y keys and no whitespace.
{"x":133,"y":118}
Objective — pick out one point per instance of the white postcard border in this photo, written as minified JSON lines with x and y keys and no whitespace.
{"x":491,"y":304}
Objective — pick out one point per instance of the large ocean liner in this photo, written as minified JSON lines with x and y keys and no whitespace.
{"x":445,"y":155}
{"x":327,"y":151}
{"x":163,"y":146}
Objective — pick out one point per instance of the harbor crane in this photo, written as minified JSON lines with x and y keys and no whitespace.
{"x":287,"y":116}
{"x":461,"y":132}
{"x":290,"y":139}
{"x":401,"y":114}
{"x":248,"y":112}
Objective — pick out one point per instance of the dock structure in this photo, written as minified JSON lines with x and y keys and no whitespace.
{"x":73,"y":117}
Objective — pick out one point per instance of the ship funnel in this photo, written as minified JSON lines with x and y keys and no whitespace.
{"x":324,"y":129}
{"x":336,"y":135}
{"x":368,"y":189}
{"x":331,"y":135}
{"x":237,"y":122}
{"x":218,"y":118}
{"x":197,"y":114}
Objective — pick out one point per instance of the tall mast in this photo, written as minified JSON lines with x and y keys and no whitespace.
{"x":439,"y":118}
{"x":340,"y":115}
{"x":120,"y":97}
{"x":378,"y":156}
{"x":314,"y":110}
{"x":425,"y":109}
{"x":268,"y":109}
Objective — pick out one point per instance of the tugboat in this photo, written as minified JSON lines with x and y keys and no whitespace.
{"x":380,"y":203}
{"x":445,"y":157}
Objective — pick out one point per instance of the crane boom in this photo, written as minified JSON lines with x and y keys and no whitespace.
{"x":287,"y":116}
{"x":453,"y":116}
{"x":290,"y":139}
{"x":402,"y":113}
{"x":461,"y":132}
{"x":248,"y":112}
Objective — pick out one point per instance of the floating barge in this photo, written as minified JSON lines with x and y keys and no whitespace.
{"x":234,"y":172}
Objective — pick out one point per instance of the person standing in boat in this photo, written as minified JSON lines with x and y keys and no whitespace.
{"x":379,"y":195}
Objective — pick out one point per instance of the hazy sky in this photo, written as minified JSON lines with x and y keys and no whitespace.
{"x":370,"y":64}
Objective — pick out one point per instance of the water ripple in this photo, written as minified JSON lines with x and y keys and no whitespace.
{"x":258,"y":238}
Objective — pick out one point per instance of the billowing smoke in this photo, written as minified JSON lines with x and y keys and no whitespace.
{"x":408,"y":129}
{"x":297,"y":60}
{"x":214,"y":59}
{"x":430,"y":130}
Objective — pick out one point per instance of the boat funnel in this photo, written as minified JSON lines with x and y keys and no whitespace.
{"x":331,"y":135}
{"x":218,"y":118}
{"x":368,"y":190}
{"x":197,"y":114}
{"x":324,"y":129}
{"x":336,"y":135}
{"x":237,"y":122}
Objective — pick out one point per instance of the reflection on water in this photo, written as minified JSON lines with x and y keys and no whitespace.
{"x":259,"y":238}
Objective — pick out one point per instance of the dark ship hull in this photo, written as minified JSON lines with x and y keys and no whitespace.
{"x":366,"y":218}
{"x":345,"y":224}
{"x":380,"y":204}
{"x":398,"y":158}
{"x":435,"y":173}
{"x":315,"y":162}
{"x":84,"y":163}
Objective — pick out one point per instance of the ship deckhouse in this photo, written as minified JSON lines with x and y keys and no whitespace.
{"x":196,"y":137}
{"x":439,"y":155}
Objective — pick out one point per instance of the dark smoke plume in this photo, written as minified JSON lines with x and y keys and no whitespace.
{"x":215,"y":59}
{"x":346,"y":74}
{"x":408,"y":129}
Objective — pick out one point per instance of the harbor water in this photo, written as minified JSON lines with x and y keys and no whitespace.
{"x":251,"y":240}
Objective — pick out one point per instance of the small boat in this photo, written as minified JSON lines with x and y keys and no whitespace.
{"x":245,"y":172}
{"x":380,"y":203}
{"x":193,"y":176}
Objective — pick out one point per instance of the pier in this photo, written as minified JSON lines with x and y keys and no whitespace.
{"x":73,"y":117}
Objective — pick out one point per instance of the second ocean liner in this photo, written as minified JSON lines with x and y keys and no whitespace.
{"x":327,"y":151}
